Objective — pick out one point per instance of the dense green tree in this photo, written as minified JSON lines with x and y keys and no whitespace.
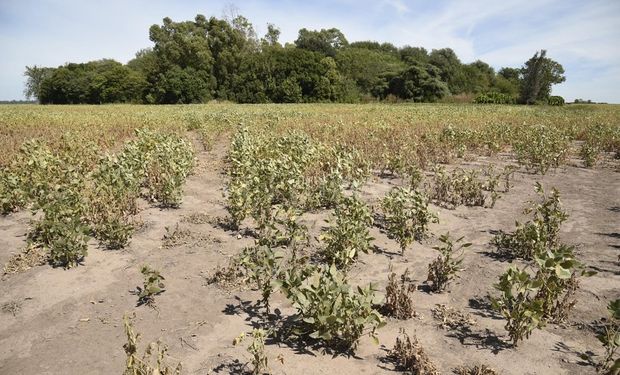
{"x":368,"y":67}
{"x":450,"y":67}
{"x":538,"y":75}
{"x":508,"y":81}
{"x":95,"y":82}
{"x":327,"y":41}
{"x":387,"y":48}
{"x":291,"y":75}
{"x":420,"y":82}
{"x":203,"y":59}
{"x":409,"y":54}
{"x":181,"y":48}
{"x":181,"y":86}
{"x":478,"y":77}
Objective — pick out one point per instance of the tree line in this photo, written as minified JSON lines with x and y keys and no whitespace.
{"x":206,"y":59}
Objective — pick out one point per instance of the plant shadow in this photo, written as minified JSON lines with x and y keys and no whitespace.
{"x":285,"y":329}
{"x":486,"y":339}
{"x":388,"y":362}
{"x":585,"y":358}
{"x":482,"y":307}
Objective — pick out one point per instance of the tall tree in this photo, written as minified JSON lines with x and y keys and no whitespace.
{"x":35,"y":75}
{"x":271,"y":36}
{"x":450,"y":67}
{"x":182,"y":50}
{"x":538,"y":75}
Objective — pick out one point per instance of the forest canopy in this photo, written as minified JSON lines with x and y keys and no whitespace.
{"x":219,"y":59}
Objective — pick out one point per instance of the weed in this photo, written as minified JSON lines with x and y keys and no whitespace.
{"x":610,"y":338}
{"x":11,"y":307}
{"x":199,"y":218}
{"x":229,"y":276}
{"x":183,"y":237}
{"x":30,"y":256}
{"x":153,"y":285}
{"x":260,"y":361}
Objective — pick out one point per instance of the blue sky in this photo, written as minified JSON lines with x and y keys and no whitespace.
{"x":584,"y":36}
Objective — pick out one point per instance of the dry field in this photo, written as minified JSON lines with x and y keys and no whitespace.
{"x":242,"y":210}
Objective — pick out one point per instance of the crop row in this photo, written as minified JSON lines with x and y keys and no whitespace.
{"x":76,"y":191}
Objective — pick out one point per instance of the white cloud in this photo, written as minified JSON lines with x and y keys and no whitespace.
{"x":399,"y":5}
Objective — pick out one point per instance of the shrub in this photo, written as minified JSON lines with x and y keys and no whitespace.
{"x":398,"y":301}
{"x":329,"y":309}
{"x":61,"y":230}
{"x":495,"y":98}
{"x":557,"y":271}
{"x":537,"y":235}
{"x":589,"y":152}
{"x":262,"y":266}
{"x":349,"y":235}
{"x":165,"y":161}
{"x":528,"y":302}
{"x":517,"y":303}
{"x":136,"y":365}
{"x":411,"y":357}
{"x":406,"y":215}
{"x":445,"y":268}
{"x":556,"y":100}
{"x":11,"y":194}
{"x":264,"y":172}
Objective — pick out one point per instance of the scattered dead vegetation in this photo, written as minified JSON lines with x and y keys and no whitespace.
{"x":398,"y":301}
{"x":475,"y":370}
{"x":30,"y":257}
{"x":197,"y":218}
{"x":143,"y":365}
{"x":227,"y":277}
{"x":452,"y":318}
{"x":11,"y":307}
{"x":184,"y":237}
{"x":411,"y":357}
